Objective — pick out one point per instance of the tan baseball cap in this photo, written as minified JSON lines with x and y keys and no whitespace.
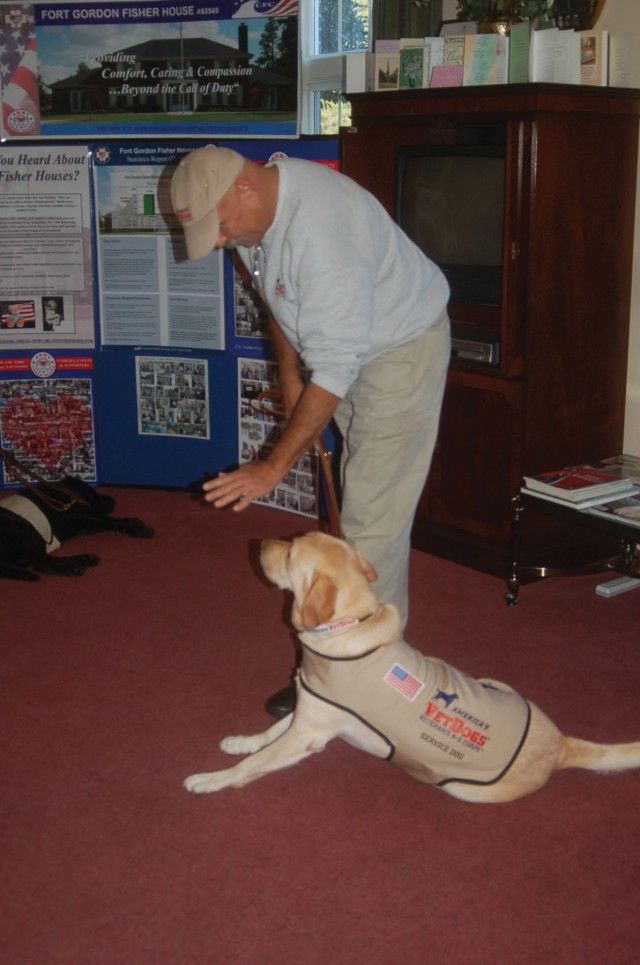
{"x":200,"y":181}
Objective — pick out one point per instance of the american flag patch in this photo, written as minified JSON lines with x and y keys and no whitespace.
{"x":404,"y":682}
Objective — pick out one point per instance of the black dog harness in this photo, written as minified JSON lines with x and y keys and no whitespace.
{"x":33,"y":515}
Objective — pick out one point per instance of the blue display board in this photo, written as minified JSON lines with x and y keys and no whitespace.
{"x":74,"y":396}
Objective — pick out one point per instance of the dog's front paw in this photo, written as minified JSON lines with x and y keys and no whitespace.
{"x":68,"y":565}
{"x":133,"y":526}
{"x":205,"y":783}
{"x":240,"y":745}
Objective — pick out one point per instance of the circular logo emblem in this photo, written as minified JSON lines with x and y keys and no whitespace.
{"x":278,"y":156}
{"x":20,"y":121}
{"x":102,"y":155}
{"x":43,"y":365}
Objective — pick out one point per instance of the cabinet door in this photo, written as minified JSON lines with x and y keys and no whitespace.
{"x":477,"y":464}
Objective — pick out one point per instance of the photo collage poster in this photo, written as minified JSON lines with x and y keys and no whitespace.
{"x":48,"y":427}
{"x":260,"y":427}
{"x":173,"y":397}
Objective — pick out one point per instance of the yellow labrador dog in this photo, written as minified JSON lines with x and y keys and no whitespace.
{"x":478,"y":740}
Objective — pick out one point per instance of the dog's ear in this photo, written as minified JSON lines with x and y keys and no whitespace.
{"x":319,"y":603}
{"x":370,"y":573}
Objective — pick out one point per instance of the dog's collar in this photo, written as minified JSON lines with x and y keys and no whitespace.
{"x":340,"y":626}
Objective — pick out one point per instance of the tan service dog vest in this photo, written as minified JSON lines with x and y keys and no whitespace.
{"x":439,"y":724}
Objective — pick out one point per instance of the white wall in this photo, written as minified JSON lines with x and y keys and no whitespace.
{"x":619,"y":16}
{"x":449,"y":9}
{"x":623,"y":16}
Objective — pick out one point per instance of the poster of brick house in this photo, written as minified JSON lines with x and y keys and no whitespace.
{"x":131,"y":68}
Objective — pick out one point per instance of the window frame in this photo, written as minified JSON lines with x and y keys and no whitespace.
{"x":318,"y":72}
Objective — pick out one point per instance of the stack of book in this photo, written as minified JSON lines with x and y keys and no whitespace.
{"x":580,"y":486}
{"x":460,"y":57}
{"x":625,"y":508}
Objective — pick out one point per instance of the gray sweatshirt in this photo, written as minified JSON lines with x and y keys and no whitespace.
{"x":341,"y":279}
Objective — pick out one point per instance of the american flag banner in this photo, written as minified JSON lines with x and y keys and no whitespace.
{"x":19,"y":71}
{"x":403,"y":681}
{"x":266,"y":8}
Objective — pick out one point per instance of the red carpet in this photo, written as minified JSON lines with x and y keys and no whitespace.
{"x":117,"y":685}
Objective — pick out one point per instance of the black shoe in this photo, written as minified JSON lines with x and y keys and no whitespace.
{"x":282,"y":703}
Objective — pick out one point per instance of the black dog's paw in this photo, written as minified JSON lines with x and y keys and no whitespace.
{"x":76,"y":565}
{"x":10,"y":572}
{"x":69,"y":565}
{"x":89,"y":559}
{"x":133,"y":526}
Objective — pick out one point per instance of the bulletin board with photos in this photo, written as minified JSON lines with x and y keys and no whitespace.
{"x":119,"y":358}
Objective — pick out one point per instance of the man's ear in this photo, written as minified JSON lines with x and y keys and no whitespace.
{"x":319,"y":603}
{"x":243,"y":186}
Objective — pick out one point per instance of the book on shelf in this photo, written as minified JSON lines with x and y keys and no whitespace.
{"x":594,"y":51}
{"x":450,"y":72}
{"x":453,"y":55}
{"x":435,"y":48}
{"x":426,"y":66}
{"x":577,"y":484}
{"x":447,"y":75}
{"x":519,"y":42}
{"x":386,"y":71}
{"x":412,"y":66}
{"x":486,"y":59}
{"x":566,"y":64}
{"x":620,"y":59}
{"x":359,"y":66}
{"x":555,"y":56}
{"x":585,"y":503}
{"x":623,"y":509}
{"x":385,"y":46}
{"x":549,"y":55}
{"x":542,"y":55}
{"x":624,"y":464}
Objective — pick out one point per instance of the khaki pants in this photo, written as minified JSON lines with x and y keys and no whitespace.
{"x":389,"y":423}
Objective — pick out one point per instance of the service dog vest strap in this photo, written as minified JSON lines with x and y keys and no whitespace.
{"x":23,"y":507}
{"x":440,"y":725}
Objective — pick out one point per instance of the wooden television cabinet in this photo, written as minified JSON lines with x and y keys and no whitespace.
{"x":557,"y":394}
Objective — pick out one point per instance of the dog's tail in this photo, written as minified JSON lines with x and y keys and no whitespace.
{"x":599,"y":757}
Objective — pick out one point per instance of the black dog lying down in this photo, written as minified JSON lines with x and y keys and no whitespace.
{"x":30,"y":529}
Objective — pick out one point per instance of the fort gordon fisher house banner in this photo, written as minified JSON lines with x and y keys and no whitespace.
{"x":223,"y":67}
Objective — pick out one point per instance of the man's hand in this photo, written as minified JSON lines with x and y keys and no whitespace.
{"x":311,"y":416}
{"x":241,"y":486}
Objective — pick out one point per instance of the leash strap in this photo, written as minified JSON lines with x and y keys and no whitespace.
{"x":270,"y":402}
{"x":16,"y":470}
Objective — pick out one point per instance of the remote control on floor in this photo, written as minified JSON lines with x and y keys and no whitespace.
{"x":614,"y":587}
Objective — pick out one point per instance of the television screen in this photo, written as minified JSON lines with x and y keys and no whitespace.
{"x":452,"y":206}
